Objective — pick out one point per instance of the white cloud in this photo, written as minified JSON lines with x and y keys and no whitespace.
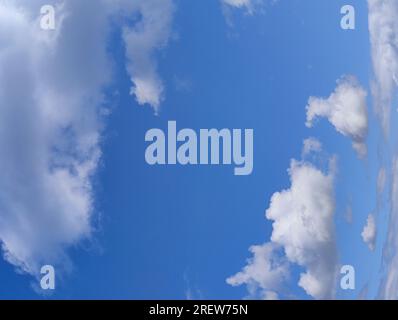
{"x":264,"y":273}
{"x":383,"y":29}
{"x":346,"y":110}
{"x":381,"y":180}
{"x":247,"y":4}
{"x":369,"y":232}
{"x":270,"y":295}
{"x":49,"y":129}
{"x":389,"y":286}
{"x":303,"y":226}
{"x":50,"y":126}
{"x":143,"y":39}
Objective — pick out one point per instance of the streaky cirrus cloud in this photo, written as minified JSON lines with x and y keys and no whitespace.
{"x":389,"y":285}
{"x":311,"y":145}
{"x":383,"y":29}
{"x":346,"y":110}
{"x":303,"y":227}
{"x":51,"y":100}
{"x":369,"y":232}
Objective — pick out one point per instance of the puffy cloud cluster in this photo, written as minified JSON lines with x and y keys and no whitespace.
{"x":346,"y":110}
{"x":303,"y":228}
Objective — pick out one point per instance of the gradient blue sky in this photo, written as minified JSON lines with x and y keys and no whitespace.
{"x":172,"y":232}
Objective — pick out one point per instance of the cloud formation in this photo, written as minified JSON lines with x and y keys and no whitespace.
{"x":383,"y":29}
{"x":311,"y":145}
{"x":303,"y":227}
{"x":369,"y":232}
{"x":389,"y":286}
{"x":247,"y":4}
{"x":150,"y":33}
{"x":51,"y":85}
{"x":265,"y":272}
{"x":346,"y":110}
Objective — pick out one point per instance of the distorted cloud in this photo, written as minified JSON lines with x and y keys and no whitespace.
{"x":383,"y":29}
{"x":346,"y":110}
{"x":303,"y":227}
{"x":51,"y":85}
{"x":369,"y":232}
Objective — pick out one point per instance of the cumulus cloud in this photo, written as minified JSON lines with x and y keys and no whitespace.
{"x":50,"y":129}
{"x":383,"y":29}
{"x":303,"y":226}
{"x":346,"y":110}
{"x":150,"y":33}
{"x":381,"y":180}
{"x":51,"y":85}
{"x":369,"y":232}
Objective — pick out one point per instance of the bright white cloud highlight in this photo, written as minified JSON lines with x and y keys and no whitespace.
{"x":389,"y":285}
{"x":303,"y":226}
{"x":369,"y":232}
{"x":346,"y":110}
{"x":311,"y":145}
{"x":383,"y":29}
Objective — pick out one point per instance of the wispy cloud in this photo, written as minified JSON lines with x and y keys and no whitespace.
{"x":241,"y":4}
{"x":303,"y":228}
{"x":389,"y":285}
{"x":143,"y":39}
{"x":383,"y":29}
{"x":346,"y":110}
{"x":51,"y":85}
{"x":369,"y":232}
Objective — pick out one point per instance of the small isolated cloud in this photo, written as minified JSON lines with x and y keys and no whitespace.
{"x":346,"y":110}
{"x":303,"y":226}
{"x":311,"y":145}
{"x":143,"y":39}
{"x":369,"y":232}
{"x":383,"y":30}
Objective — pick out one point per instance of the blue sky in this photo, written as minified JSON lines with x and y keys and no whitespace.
{"x":177,"y":232}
